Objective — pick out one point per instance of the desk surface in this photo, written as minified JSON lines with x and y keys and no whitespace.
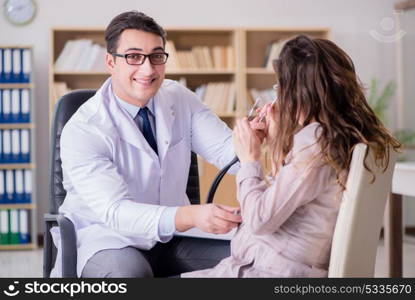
{"x":403,"y":181}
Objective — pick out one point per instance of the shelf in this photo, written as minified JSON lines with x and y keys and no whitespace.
{"x":226,"y":115}
{"x":86,"y":73}
{"x":17,"y":126}
{"x":16,"y":166}
{"x":18,"y":206}
{"x":260,"y":71}
{"x":200,"y":71}
{"x":17,"y":46}
{"x":16,"y":85}
{"x":18,"y":247}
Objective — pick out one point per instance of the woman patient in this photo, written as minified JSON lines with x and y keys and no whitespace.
{"x":289,"y":216}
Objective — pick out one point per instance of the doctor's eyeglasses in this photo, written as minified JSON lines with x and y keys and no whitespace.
{"x":136,"y":59}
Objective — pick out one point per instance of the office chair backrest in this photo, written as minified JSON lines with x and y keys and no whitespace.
{"x":64,"y":110}
{"x":356,"y":235}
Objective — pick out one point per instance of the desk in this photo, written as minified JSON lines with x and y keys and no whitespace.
{"x":403,"y":183}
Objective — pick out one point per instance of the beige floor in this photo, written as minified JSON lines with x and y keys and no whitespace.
{"x":29,"y":263}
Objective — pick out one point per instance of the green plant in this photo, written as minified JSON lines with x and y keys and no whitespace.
{"x":379,"y":102}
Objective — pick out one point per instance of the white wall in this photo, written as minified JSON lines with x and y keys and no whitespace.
{"x":351,"y":22}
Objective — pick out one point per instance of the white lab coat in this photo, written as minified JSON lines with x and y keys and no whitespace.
{"x":117,"y":187}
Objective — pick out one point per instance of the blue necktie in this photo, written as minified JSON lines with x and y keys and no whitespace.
{"x":147,"y":132}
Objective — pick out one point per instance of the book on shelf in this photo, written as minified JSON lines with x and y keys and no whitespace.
{"x":173,"y":61}
{"x":218,"y":96}
{"x":14,"y":226}
{"x":15,"y":105}
{"x":200,"y":57}
{"x":15,"y":65}
{"x":265,"y":95}
{"x":272,"y":52}
{"x":59,"y":89}
{"x":81,"y":55}
{"x":16,"y":186}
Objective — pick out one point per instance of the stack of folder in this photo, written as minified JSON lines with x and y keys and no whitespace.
{"x":15,"y":141}
{"x":14,"y":226}
{"x":15,"y":65}
{"x":15,"y":186}
{"x":14,"y":105}
{"x":14,"y":146}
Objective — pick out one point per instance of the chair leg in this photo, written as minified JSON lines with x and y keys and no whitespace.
{"x":393,"y":235}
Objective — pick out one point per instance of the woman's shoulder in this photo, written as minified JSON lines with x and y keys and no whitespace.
{"x":306,"y":139}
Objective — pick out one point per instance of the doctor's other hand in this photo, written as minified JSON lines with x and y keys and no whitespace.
{"x":210,"y":218}
{"x":246,"y":142}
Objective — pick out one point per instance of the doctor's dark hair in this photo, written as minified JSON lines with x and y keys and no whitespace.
{"x":130,"y":20}
{"x":317,"y":82}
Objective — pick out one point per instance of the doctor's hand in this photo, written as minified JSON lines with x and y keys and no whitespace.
{"x":246,"y":142}
{"x":210,"y":218}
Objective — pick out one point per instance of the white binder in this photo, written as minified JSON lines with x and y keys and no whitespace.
{"x":16,"y":64}
{"x":27,"y":63}
{"x":7,"y":146}
{"x":28,"y":181}
{"x":25,"y":108}
{"x":19,"y":179}
{"x":24,"y":226}
{"x":14,"y":221}
{"x":16,"y":144}
{"x":15,"y":104}
{"x":4,"y":224}
{"x":6,"y":105}
{"x":1,"y":143}
{"x":9,"y":185}
{"x":2,"y":187}
{"x":1,"y":62}
{"x":7,"y":56}
{"x":25,"y":144}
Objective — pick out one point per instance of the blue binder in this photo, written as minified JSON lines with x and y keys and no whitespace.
{"x":24,"y":106}
{"x":2,"y":187}
{"x":24,"y":236}
{"x":28,"y":185}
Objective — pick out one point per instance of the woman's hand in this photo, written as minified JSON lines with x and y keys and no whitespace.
{"x":246,"y":142}
{"x":259,"y":126}
{"x":272,"y":124}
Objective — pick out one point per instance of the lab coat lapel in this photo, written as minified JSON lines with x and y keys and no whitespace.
{"x":165,"y":115}
{"x":127,"y":129}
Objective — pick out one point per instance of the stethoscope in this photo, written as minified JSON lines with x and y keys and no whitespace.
{"x":224,"y":170}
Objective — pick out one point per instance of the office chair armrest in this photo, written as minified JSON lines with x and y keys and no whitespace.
{"x":49,"y":251}
{"x":68,"y":247}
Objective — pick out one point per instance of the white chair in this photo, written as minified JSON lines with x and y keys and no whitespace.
{"x":356,"y":235}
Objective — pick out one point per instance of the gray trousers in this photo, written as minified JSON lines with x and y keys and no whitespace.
{"x":179,"y":255}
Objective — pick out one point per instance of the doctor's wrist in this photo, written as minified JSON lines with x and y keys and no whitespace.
{"x":184,"y":218}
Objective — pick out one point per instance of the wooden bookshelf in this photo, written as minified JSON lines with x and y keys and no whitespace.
{"x":246,"y":71}
{"x":22,"y":124}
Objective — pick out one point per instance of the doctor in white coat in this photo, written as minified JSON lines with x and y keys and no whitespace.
{"x":125,"y":171}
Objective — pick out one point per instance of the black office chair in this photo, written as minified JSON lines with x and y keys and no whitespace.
{"x":64,"y":109}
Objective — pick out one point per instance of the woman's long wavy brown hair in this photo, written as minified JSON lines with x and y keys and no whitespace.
{"x":318,"y":79}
